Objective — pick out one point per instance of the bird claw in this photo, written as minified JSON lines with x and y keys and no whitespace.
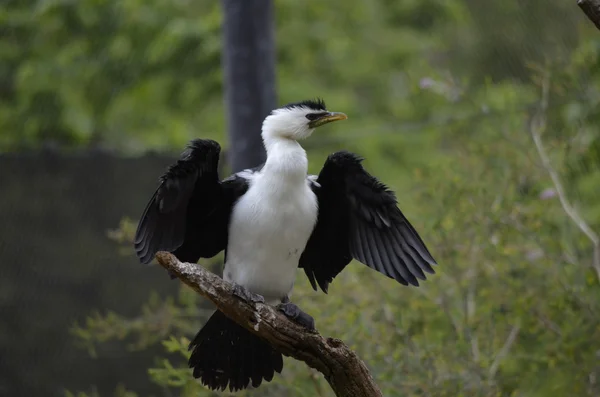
{"x":294,"y":313}
{"x":246,"y":295}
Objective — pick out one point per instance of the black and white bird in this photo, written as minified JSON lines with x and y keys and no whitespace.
{"x":271,"y":220}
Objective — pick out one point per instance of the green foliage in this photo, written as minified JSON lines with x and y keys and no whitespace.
{"x":441,"y":96}
{"x":83,"y":73}
{"x":123,"y":235}
{"x":158,"y":319}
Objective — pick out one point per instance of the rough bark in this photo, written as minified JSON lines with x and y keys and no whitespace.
{"x":591,"y":8}
{"x":347,"y":375}
{"x":249,"y":72}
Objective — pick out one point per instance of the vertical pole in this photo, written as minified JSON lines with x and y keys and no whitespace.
{"x":249,"y":77}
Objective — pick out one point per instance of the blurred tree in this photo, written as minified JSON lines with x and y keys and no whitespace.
{"x":100,"y":72}
{"x":249,"y":64}
{"x":142,"y":75}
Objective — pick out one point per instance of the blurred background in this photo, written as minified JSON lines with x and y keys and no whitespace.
{"x":483,"y":116}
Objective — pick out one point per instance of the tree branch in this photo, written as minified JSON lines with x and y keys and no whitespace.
{"x":512,"y":336}
{"x":346,"y":373}
{"x":537,"y":128}
{"x":591,"y":8}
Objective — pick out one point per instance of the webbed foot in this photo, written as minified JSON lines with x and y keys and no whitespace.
{"x":294,"y":313}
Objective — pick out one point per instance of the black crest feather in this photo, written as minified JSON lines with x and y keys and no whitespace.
{"x":317,"y":104}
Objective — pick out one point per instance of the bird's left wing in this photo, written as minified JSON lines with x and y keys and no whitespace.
{"x":359,"y":218}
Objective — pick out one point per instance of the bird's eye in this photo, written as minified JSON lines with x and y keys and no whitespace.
{"x":314,"y":116}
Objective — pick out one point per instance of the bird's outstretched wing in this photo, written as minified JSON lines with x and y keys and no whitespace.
{"x":359,"y":218}
{"x":189,"y":212}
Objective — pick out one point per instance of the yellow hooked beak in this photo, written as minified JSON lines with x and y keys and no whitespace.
{"x":327,"y":118}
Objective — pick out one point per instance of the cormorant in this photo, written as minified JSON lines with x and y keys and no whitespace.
{"x":270,"y":220}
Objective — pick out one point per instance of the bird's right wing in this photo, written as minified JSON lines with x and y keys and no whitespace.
{"x":189,"y":211}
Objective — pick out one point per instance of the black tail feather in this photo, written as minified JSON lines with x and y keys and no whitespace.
{"x":224,"y":352}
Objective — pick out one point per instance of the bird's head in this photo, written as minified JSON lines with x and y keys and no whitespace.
{"x":298,"y":120}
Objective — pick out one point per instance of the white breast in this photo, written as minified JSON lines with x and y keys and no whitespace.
{"x":268,"y":231}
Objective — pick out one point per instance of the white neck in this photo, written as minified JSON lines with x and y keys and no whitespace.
{"x":285,"y":158}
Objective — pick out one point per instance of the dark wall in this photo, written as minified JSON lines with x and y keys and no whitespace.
{"x":57,"y":266}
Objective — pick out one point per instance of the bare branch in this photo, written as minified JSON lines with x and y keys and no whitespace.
{"x":346,"y":373}
{"x":591,"y":8}
{"x":470,"y":309}
{"x":537,"y":128}
{"x":512,"y":337}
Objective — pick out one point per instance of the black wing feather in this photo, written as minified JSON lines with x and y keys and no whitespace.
{"x":188,"y":213}
{"x":359,"y":218}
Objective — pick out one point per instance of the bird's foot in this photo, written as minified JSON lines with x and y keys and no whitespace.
{"x":172,"y":275}
{"x":246,"y":295}
{"x":295,"y":314}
